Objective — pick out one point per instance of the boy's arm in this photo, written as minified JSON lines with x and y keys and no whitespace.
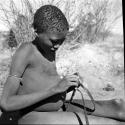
{"x":10,"y":101}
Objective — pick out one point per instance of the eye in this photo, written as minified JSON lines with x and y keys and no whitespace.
{"x":61,"y":40}
{"x":53,"y":41}
{"x":57,"y":41}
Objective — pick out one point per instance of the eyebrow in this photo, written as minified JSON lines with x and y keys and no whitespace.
{"x":57,"y":40}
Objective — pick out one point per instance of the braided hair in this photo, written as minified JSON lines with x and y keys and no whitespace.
{"x":50,"y":18}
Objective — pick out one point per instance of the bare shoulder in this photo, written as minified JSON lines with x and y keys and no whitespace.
{"x":21,"y":58}
{"x":23,"y":52}
{"x":24,"y":49}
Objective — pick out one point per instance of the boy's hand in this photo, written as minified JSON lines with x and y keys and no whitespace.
{"x":66,"y":83}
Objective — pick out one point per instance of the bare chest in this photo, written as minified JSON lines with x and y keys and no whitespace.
{"x":40,"y":75}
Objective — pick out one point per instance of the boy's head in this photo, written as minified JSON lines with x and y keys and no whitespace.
{"x":51,"y":25}
{"x":49,"y":18}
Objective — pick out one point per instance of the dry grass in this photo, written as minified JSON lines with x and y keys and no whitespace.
{"x":90,"y":22}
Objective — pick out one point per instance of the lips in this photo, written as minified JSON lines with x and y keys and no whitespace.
{"x":53,"y":49}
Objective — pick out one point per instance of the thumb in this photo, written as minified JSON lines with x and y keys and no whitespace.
{"x":75,"y":84}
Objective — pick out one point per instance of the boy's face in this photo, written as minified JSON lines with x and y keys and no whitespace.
{"x":52,"y":40}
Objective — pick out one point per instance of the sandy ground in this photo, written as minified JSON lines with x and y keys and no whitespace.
{"x":101,"y":66}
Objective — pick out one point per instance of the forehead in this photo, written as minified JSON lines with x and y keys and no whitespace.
{"x":56,"y":35}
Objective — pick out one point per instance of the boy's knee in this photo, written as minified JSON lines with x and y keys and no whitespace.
{"x":121,"y":105}
{"x":118,"y":101}
{"x":121,"y":115}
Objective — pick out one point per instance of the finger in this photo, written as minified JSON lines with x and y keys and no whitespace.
{"x":72,"y":84}
{"x":76,"y":83}
{"x":73,"y":79}
{"x":73,"y":76}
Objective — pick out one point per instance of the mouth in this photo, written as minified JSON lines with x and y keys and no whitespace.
{"x":53,"y":49}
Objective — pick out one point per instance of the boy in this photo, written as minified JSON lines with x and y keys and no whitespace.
{"x":33,"y":77}
{"x":33,"y":86}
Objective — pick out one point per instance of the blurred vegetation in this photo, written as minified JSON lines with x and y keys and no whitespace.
{"x":89,"y":24}
{"x":11,"y":40}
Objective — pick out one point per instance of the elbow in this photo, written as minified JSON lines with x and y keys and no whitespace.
{"x":4,"y":106}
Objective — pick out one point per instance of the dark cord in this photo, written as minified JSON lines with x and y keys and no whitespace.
{"x":89,"y":94}
{"x":85,"y":113}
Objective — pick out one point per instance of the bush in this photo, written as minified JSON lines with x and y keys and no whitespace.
{"x":11,"y":39}
{"x":20,"y":24}
{"x":91,"y":19}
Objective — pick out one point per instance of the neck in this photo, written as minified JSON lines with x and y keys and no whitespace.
{"x":48,"y":54}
